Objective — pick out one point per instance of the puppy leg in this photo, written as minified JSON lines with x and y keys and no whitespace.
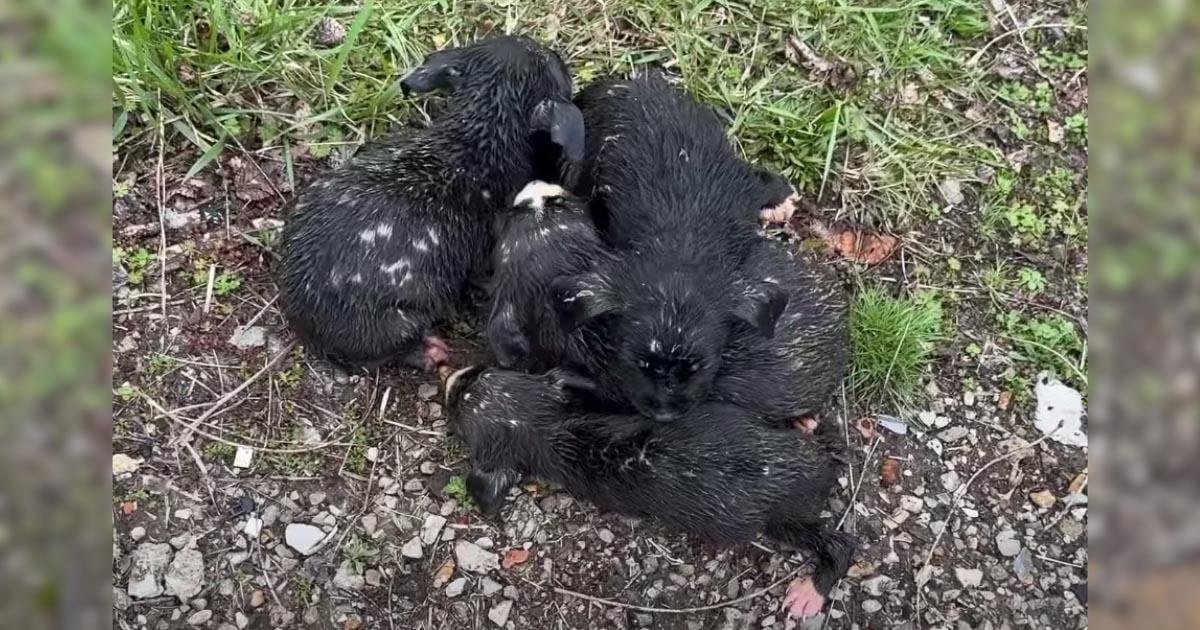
{"x":489,"y":489}
{"x":777,"y":198}
{"x":834,"y":551}
{"x":432,"y":353}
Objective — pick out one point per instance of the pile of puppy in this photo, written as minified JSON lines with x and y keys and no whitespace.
{"x":656,"y":352}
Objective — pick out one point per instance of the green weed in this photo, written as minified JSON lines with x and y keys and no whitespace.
{"x":893,"y":341}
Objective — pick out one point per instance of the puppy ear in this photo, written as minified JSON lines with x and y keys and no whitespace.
{"x":570,"y":380}
{"x":441,"y":69}
{"x":508,"y":343}
{"x":760,"y":306}
{"x":563,"y":123}
{"x":581,"y":298}
{"x":459,"y":381}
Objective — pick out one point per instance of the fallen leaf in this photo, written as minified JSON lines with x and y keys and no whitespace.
{"x":802,"y":54}
{"x":443,"y":574}
{"x":129,"y":507}
{"x":889,"y":473}
{"x":1005,"y":400}
{"x":866,"y":427}
{"x":859,"y":245}
{"x":513,"y":557}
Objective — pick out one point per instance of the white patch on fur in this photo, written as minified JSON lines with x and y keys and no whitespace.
{"x":356,"y":278}
{"x":655,"y":345}
{"x":367,"y":236}
{"x":486,"y":194}
{"x":544,"y":231}
{"x":395,"y":267}
{"x":420,"y":245}
{"x":684,"y":154}
{"x":384,"y":230}
{"x":582,"y":294}
{"x":535,"y":193}
{"x":433,"y":237}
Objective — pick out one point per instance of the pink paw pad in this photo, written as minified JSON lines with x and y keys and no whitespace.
{"x":436,"y":353}
{"x":802,"y":599}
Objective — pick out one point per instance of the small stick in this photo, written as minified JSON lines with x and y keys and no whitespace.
{"x":212,"y":276}
{"x":214,"y":407}
{"x":653,"y":609}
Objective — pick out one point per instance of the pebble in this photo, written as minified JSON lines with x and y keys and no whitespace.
{"x":199,"y":618}
{"x":1070,"y":528}
{"x":303,"y":537}
{"x":413,"y":485}
{"x":242,"y":457}
{"x":311,"y":615}
{"x":270,"y":514}
{"x":181,"y":541}
{"x":605,"y":535}
{"x":969,"y":578}
{"x":316,"y":498}
{"x":1023,"y":566}
{"x":137,"y":533}
{"x":499,"y":613}
{"x":257,"y":598}
{"x":124,"y":464}
{"x":373,"y":577}
{"x":941,"y":422}
{"x":1043,"y":499}
{"x":240,"y":619}
{"x":511,"y":592}
{"x":473,"y":558}
{"x":431,"y":528}
{"x":969,"y":399}
{"x":428,"y":468}
{"x":427,"y":391}
{"x":456,"y":587}
{"x":1007,"y":543}
{"x":871,"y":606}
{"x":246,"y":338}
{"x":953,"y":434}
{"x":874,"y":586}
{"x":412,"y":549}
{"x":927,"y":417}
{"x":347,"y":579}
{"x":183,"y":514}
{"x":185,"y":576}
{"x":489,"y":586}
{"x":121,"y":601}
{"x":370,"y":522}
{"x":912,"y":504}
{"x":951,"y":481}
{"x":253,"y":527}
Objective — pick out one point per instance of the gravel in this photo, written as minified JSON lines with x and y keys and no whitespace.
{"x":471,"y":557}
{"x":498,"y":614}
{"x":185,"y":577}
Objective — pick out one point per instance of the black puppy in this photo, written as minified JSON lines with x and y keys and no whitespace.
{"x":794,"y":373}
{"x":377,"y":251}
{"x":720,"y":476}
{"x":546,"y":235}
{"x":668,"y":192}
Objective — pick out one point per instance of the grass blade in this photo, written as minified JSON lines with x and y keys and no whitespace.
{"x":206,"y":157}
{"x":355,"y":28}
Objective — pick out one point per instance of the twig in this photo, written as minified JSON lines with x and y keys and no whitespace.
{"x":863,"y":476}
{"x":215,"y":406}
{"x":160,"y":193}
{"x":1005,"y":35}
{"x":212,"y":276}
{"x":654,"y":609}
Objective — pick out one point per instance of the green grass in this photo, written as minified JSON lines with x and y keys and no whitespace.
{"x":893,"y":341}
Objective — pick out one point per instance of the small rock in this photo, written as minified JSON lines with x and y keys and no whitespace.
{"x":329,"y":33}
{"x":511,"y":592}
{"x":1007,"y":543}
{"x":270,"y":514}
{"x":456,"y":587}
{"x":427,"y":391}
{"x":121,"y":600}
{"x":431,"y":528}
{"x":413,"y":485}
{"x":247,"y":338}
{"x":927,"y":417}
{"x":303,"y":537}
{"x":428,"y":468}
{"x":137,"y":533}
{"x":1043,"y":499}
{"x":185,"y":577}
{"x":257,"y":598}
{"x":347,"y":579}
{"x":941,"y":422}
{"x":281,"y":617}
{"x":370,"y":523}
{"x":242,"y":457}
{"x":472,"y":557}
{"x":1071,"y":529}
{"x":605,"y":535}
{"x":179,"y":220}
{"x":912,"y":504}
{"x":951,"y":190}
{"x":311,"y":616}
{"x":253,"y":527}
{"x":953,"y":434}
{"x":485,"y":542}
{"x":969,"y":399}
{"x":874,"y":586}
{"x":489,"y":587}
{"x":316,"y":498}
{"x":893,"y":424}
{"x":199,"y":618}
{"x":969,"y":578}
{"x":240,"y":619}
{"x":950,"y":481}
{"x":181,"y":541}
{"x":1023,"y":566}
{"x":499,"y":613}
{"x":871,"y":606}
{"x":412,"y":549}
{"x":183,"y":514}
{"x":643,"y":620}
{"x":373,"y":577}
{"x":123,"y":464}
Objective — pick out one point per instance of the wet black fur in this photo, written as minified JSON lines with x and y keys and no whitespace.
{"x":720,"y":475}
{"x":797,"y":370}
{"x":671,"y":196}
{"x":536,"y":247}
{"x":375,"y":252}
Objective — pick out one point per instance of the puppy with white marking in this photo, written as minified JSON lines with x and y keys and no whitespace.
{"x":720,"y":475}
{"x":376,"y":252}
{"x":546,"y":235}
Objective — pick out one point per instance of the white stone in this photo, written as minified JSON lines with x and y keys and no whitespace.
{"x":246,"y":338}
{"x":1007,"y":543}
{"x":969,"y":578}
{"x":303,"y":537}
{"x":347,"y":579}
{"x":253,"y":527}
{"x":489,"y":587}
{"x":499,"y":613}
{"x":185,"y":577}
{"x":124,"y":464}
{"x":1060,"y":412}
{"x":241,"y":458}
{"x":150,"y":561}
{"x":456,"y":587}
{"x":950,"y":481}
{"x":412,"y":549}
{"x":137,"y":533}
{"x":472,"y":557}
{"x":431,"y":528}
{"x":912,"y":504}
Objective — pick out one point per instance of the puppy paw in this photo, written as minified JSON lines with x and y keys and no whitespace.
{"x":781,"y":213}
{"x":806,"y":424}
{"x":802,"y":599}
{"x":434,"y":354}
